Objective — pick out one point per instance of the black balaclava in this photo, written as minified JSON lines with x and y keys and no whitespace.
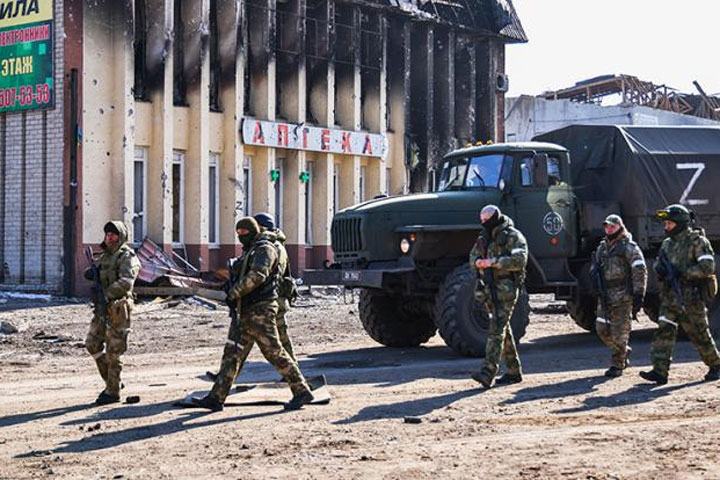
{"x":252,"y":226}
{"x":492,"y":222}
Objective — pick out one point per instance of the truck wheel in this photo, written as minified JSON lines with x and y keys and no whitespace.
{"x":583,"y":310}
{"x":463,"y":322}
{"x":387,"y":322}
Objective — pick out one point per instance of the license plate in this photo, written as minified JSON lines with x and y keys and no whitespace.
{"x":351,"y":276}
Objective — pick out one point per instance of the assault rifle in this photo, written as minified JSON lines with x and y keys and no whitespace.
{"x":489,"y":274}
{"x":597,"y":276}
{"x":100,"y":304}
{"x":670,"y":276}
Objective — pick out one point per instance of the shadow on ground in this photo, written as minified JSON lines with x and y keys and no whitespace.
{"x":412,"y":408}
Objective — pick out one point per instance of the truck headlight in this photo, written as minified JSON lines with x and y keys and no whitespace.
{"x":404,"y":245}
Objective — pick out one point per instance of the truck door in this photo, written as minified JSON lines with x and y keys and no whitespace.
{"x":544,"y":205}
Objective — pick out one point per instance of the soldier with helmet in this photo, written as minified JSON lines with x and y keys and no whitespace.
{"x":500,"y":255}
{"x":254,"y":294}
{"x":620,"y":274}
{"x":686,"y":271}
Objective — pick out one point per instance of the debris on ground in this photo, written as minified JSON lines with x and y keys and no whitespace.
{"x":7,"y":328}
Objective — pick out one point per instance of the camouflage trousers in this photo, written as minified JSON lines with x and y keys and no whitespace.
{"x":256,"y":325}
{"x":500,"y":341}
{"x":695,"y":323}
{"x":107,"y":341}
{"x":614,"y":328}
{"x":282,"y":334}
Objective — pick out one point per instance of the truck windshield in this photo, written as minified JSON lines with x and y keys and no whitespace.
{"x":473,"y":172}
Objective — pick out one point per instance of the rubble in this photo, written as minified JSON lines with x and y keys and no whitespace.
{"x":7,"y":328}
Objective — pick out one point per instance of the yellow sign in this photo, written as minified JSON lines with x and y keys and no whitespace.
{"x":23,"y":12}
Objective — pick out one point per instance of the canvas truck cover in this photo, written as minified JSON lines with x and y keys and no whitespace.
{"x":644,"y":169}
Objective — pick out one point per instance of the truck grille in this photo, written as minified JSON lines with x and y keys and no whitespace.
{"x":346,"y":236}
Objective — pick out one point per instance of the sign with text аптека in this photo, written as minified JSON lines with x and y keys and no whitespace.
{"x":26,"y":55}
{"x":314,"y":139}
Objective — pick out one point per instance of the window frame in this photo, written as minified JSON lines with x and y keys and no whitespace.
{"x":214,"y":162}
{"x":179,"y":159}
{"x":143,"y":214}
{"x":247,"y":185}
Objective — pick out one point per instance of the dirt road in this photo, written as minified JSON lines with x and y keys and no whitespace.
{"x":565,"y":420}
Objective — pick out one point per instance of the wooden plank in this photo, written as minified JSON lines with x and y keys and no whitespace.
{"x":218,"y":295}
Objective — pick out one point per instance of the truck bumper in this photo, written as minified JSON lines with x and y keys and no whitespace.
{"x":357,"y":278}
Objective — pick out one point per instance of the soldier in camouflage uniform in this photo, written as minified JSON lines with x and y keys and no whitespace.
{"x":107,"y":338}
{"x":686,"y":269}
{"x":621,"y":274}
{"x":275,"y":235}
{"x":503,"y":249}
{"x":286,"y":288}
{"x":255,"y":295}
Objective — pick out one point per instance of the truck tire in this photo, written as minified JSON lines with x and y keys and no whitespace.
{"x":388,"y":323}
{"x":583,"y":310}
{"x":463,"y":322}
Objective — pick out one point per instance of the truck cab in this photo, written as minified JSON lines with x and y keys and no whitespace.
{"x":409,"y":253}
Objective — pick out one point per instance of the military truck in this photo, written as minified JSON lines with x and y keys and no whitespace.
{"x":409,"y":254}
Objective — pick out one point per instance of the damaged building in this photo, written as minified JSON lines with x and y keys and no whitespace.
{"x":180,"y":116}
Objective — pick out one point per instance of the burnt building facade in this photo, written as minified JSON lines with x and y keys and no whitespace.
{"x":180,"y":116}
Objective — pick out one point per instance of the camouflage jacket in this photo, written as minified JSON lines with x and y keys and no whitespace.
{"x":257,"y":270}
{"x":119,"y":267}
{"x":508,"y":247}
{"x":623,"y":268}
{"x":692,"y":255}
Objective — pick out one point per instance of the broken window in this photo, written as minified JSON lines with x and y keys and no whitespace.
{"x":179,"y":86}
{"x":308,"y":204}
{"x":363,"y":176}
{"x":278,"y":187}
{"x":140,"y":48}
{"x":215,"y":65}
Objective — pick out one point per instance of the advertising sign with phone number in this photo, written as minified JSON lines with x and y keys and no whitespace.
{"x":26,"y":55}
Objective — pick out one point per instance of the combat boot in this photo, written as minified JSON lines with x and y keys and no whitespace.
{"x":712,"y":374}
{"x":509,"y":379}
{"x":208,"y":401}
{"x":653,"y":376}
{"x":482,"y":378}
{"x":297,"y":401}
{"x":105,"y":398}
{"x":614,"y":372}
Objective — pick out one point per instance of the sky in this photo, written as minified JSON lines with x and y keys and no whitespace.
{"x":670,"y":42}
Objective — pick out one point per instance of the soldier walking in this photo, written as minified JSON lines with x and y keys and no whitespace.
{"x":620,"y":274}
{"x":500,"y":256}
{"x":106,"y":340}
{"x":254,"y":294}
{"x":286,"y":284}
{"x":686,"y":271}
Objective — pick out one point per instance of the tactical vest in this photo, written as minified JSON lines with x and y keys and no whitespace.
{"x":268,"y":290}
{"x":110,"y":265}
{"x":500,"y":242}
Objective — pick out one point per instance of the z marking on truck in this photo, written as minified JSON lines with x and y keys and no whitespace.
{"x":699,"y":167}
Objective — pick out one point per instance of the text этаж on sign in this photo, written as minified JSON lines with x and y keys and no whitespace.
{"x":26,"y":55}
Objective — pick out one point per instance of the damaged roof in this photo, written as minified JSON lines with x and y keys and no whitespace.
{"x":494,"y":17}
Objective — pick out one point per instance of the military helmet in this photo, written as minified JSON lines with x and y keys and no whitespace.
{"x":613,"y":219}
{"x":266,"y":220}
{"x":674,"y":213}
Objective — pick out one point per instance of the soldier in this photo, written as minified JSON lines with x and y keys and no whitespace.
{"x":686,"y":270}
{"x":285,"y":292}
{"x":499,"y":255}
{"x":620,"y":273}
{"x":255,"y":295}
{"x":286,"y":289}
{"x":107,"y":338}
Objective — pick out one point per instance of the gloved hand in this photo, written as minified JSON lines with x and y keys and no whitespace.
{"x":637,"y":303}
